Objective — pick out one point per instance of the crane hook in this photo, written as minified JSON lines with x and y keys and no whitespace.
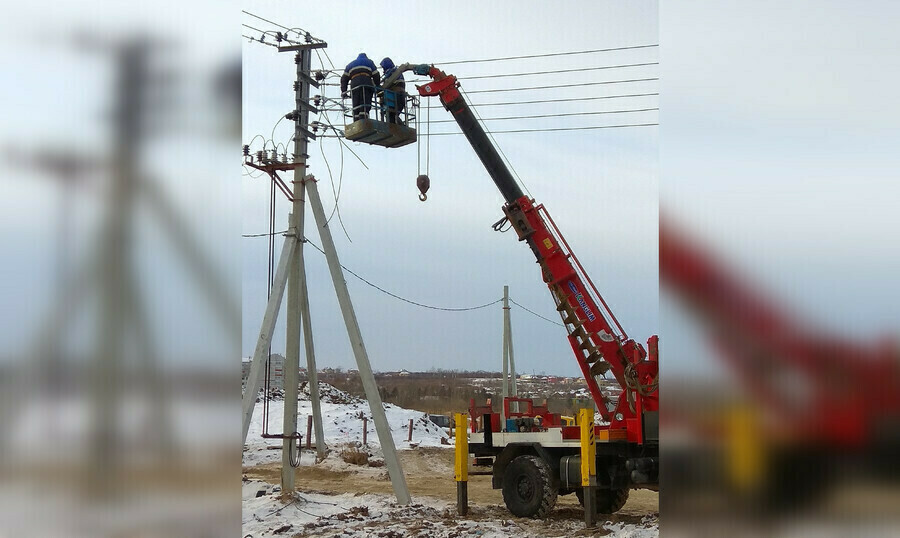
{"x":423,"y":183}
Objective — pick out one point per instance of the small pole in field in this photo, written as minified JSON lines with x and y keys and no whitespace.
{"x":588,"y":465}
{"x":462,"y":465}
{"x":409,"y":440}
{"x":365,"y":430}
{"x":309,"y":425}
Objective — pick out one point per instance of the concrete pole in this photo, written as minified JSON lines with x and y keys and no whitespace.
{"x":309,"y":348}
{"x":291,"y":362}
{"x":382,"y":428}
{"x":258,"y":363}
{"x":505,"y":377}
{"x":296,"y":280}
{"x":513,"y":390}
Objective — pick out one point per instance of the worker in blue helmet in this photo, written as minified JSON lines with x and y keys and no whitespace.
{"x":361,"y":75}
{"x":393,"y":104}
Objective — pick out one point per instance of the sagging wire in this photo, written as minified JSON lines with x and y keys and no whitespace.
{"x":249,"y":173}
{"x":335,"y":192}
{"x":395,"y":296}
{"x":536,"y":314}
{"x":273,"y":131}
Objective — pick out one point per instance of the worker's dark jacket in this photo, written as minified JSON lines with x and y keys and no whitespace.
{"x":398,"y":86}
{"x":362,"y":77}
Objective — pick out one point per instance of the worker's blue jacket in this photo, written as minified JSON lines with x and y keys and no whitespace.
{"x":361,"y":71}
{"x":389,"y":68}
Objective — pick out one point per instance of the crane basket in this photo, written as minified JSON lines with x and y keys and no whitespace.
{"x":393,"y":115}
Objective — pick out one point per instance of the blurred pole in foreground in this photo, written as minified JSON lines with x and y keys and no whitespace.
{"x":117,"y":406}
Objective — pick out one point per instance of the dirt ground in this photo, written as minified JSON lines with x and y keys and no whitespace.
{"x":429,"y":472}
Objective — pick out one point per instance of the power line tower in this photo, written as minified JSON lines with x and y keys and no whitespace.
{"x":291,"y":274}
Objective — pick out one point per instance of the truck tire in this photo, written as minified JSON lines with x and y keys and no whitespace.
{"x":528,"y":487}
{"x":609,"y":501}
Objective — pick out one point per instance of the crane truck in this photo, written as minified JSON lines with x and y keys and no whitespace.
{"x":535,"y":456}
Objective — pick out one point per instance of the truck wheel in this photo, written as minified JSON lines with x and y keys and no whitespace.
{"x":609,"y":501}
{"x":528,"y":487}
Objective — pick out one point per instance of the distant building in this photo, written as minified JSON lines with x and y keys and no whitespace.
{"x":276,"y":371}
{"x":403,"y":373}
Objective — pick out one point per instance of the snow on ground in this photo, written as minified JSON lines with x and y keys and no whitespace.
{"x":342,"y":420}
{"x":265,"y":514}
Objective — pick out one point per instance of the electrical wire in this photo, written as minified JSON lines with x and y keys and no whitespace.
{"x":258,"y":41}
{"x":532,"y":312}
{"x":277,"y":36}
{"x":555,"y":129}
{"x":268,"y":21}
{"x":547,"y":55}
{"x":263,"y":32}
{"x":336,"y":192}
{"x":502,"y":75}
{"x":333,"y":191}
{"x":273,"y":132}
{"x":267,"y":234}
{"x":395,"y":296}
{"x":559,"y":115}
{"x":249,"y":173}
{"x":566,"y":85}
{"x":593,"y":98}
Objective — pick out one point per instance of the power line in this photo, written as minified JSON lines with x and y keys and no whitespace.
{"x":554,"y":129}
{"x":258,"y":41}
{"x":270,"y":22}
{"x":558,"y":115}
{"x":568,"y":99}
{"x":558,"y":71}
{"x":267,"y":234}
{"x":546,"y":55}
{"x":566,"y":85}
{"x":445,"y":309}
{"x":532,"y":312}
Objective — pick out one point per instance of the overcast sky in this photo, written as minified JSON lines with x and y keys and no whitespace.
{"x":600,"y":185}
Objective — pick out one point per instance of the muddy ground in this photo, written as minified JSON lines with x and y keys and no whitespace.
{"x":429,"y":472}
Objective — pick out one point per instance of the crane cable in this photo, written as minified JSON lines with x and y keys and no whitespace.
{"x":632,"y":384}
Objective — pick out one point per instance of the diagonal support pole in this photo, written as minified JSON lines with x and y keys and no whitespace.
{"x":382,"y":428}
{"x":257,"y":366}
{"x":309,"y":347}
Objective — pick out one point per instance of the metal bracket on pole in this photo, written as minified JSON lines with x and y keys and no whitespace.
{"x":257,"y":366}
{"x":382,"y":428}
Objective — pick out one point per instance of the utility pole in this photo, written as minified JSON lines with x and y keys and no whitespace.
{"x":292,"y":273}
{"x":105,"y":275}
{"x":509,"y":387}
